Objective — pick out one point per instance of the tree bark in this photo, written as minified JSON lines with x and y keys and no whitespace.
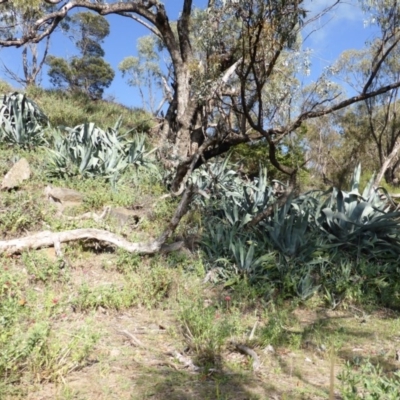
{"x":387,"y":163}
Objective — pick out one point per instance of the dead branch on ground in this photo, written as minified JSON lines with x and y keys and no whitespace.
{"x":49,"y":239}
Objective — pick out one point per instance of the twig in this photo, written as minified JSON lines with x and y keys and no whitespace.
{"x":253,"y":331}
{"x":186,"y":361}
{"x":132,"y":338}
{"x":246,"y":350}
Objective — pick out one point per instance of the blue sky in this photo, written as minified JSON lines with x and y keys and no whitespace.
{"x":343,"y":28}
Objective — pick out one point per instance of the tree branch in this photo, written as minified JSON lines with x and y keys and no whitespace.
{"x":144,"y":23}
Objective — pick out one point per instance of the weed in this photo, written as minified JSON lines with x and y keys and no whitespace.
{"x":127,"y":262}
{"x":276,"y":332}
{"x":206,"y":330}
{"x":23,"y":212}
{"x":41,"y":269}
{"x":368,"y":382}
{"x":147,"y":287}
{"x":52,"y":357}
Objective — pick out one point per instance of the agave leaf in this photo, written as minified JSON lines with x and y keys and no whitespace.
{"x":118,"y":124}
{"x":355,"y":180}
{"x":249,"y":257}
{"x":369,"y":187}
{"x":340,"y":201}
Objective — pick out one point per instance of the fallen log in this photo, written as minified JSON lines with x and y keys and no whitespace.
{"x":49,"y":239}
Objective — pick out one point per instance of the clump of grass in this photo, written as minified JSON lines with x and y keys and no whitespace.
{"x":148,"y":287}
{"x":71,"y":109}
{"x":24,"y":211}
{"x":31,"y":347}
{"x":42,"y":269}
{"x":207,"y":329}
{"x":368,"y":381}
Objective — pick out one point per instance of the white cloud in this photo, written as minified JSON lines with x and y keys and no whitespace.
{"x":346,"y":10}
{"x":323,"y":28}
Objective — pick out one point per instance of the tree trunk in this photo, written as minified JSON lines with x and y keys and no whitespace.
{"x":387,"y":163}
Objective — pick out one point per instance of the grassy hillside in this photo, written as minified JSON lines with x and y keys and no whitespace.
{"x":97,"y":322}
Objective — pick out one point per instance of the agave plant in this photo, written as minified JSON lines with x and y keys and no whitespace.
{"x":21,"y":121}
{"x":290,"y":228}
{"x":137,"y":154}
{"x":89,"y":150}
{"x":245,"y":258}
{"x":232,"y":197}
{"x":360,"y":222}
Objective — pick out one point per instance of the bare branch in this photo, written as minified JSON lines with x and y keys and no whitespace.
{"x":140,"y":21}
{"x":377,"y":62}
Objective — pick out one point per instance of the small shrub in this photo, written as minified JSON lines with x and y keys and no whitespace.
{"x":22,"y":122}
{"x":89,"y":151}
{"x":207,"y":329}
{"x":368,"y":382}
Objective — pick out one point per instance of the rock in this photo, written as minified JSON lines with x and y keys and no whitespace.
{"x":115,"y":353}
{"x":64,"y":196}
{"x":269,"y":349}
{"x":124,"y":216}
{"x":19,"y":172}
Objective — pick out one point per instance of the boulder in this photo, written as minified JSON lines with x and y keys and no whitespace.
{"x":63,"y":196}
{"x":19,"y":172}
{"x":124,"y":216}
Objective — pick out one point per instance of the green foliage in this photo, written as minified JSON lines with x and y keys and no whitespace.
{"x":87,"y":150}
{"x":206,"y":330}
{"x":278,"y":330}
{"x":90,"y":72}
{"x":343,"y":245}
{"x":289,"y":228}
{"x":71,"y":109}
{"x":30,"y":347}
{"x":23,"y":212}
{"x":144,"y":71}
{"x":291,"y":154}
{"x":41,"y":269}
{"x":90,"y":31}
{"x":148,"y":288}
{"x":368,"y":382}
{"x":360,"y":223}
{"x":21,"y":121}
{"x":5,"y":87}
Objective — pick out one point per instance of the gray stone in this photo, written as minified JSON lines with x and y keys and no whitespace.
{"x":19,"y":172}
{"x":64,"y":196}
{"x":124,"y":216}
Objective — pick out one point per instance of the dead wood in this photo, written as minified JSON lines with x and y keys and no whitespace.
{"x":132,"y":339}
{"x":49,"y":239}
{"x":250,"y":352}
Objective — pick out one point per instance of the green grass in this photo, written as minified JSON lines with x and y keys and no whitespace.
{"x":70,"y":110}
{"x":61,"y":320}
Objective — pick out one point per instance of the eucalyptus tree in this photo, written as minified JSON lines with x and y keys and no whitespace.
{"x":20,"y":20}
{"x":89,"y":73}
{"x":145,"y":72}
{"x":376,"y":120}
{"x":228,"y":81}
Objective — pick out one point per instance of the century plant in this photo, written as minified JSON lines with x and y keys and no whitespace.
{"x":88,"y":150}
{"x":313,"y":242}
{"x":22,"y":122}
{"x":360,"y":223}
{"x":232,"y":196}
{"x":289,"y":228}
